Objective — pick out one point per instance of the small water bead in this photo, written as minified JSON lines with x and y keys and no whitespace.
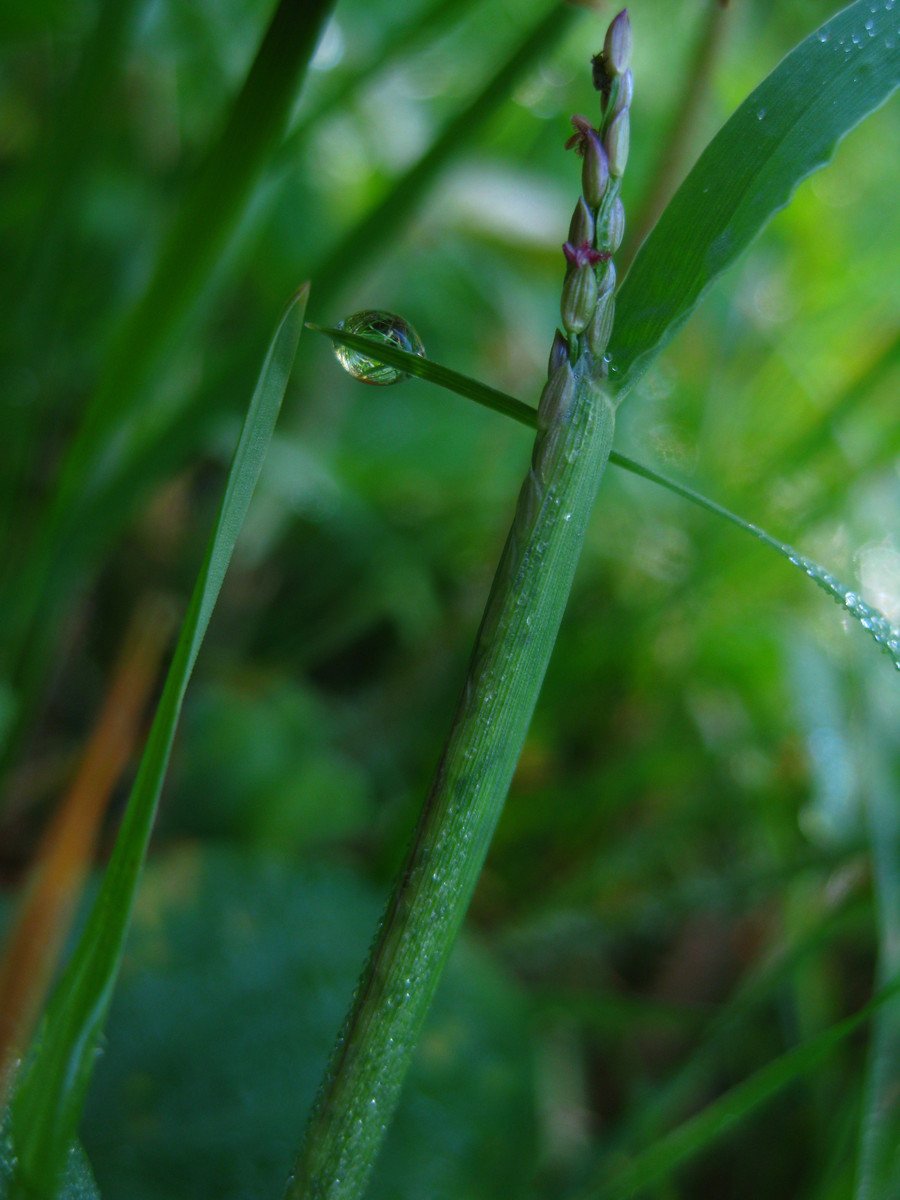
{"x":384,"y":327}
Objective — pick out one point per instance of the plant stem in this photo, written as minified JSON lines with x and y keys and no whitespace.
{"x":511,"y":654}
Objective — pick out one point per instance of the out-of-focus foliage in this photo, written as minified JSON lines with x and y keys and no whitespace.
{"x":691,"y":803}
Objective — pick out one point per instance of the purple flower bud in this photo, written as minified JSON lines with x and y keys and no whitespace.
{"x":581,"y":228}
{"x":559,"y":353}
{"x":617,"y":47}
{"x":595,"y":171}
{"x":615,"y":228}
{"x":579,"y":295}
{"x":617,"y":139}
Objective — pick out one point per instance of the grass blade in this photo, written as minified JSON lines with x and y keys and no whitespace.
{"x":879,"y":1157}
{"x":786,"y":129}
{"x":47,"y":1105}
{"x":707,"y":1127}
{"x":875,"y":623}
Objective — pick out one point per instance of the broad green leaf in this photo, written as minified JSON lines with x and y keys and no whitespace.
{"x":696,"y":1134}
{"x":48,"y":1103}
{"x":786,"y":129}
{"x":234,"y":981}
{"x":876,"y":624}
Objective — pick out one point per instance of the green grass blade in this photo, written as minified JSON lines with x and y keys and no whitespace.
{"x":786,"y":129}
{"x":875,"y":623}
{"x":48,"y":1102}
{"x":879,"y":1157}
{"x":708,"y":1126}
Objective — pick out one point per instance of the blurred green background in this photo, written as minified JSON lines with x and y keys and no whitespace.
{"x":680,"y":888}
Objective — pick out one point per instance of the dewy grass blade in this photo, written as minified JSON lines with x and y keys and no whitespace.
{"x":709,"y":1126}
{"x":876,"y":624}
{"x":784,"y":131}
{"x":47,"y":1105}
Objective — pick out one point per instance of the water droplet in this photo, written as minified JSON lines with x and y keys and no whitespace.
{"x":760,"y":116}
{"x":888,"y":5}
{"x":823,"y":36}
{"x":383,"y":327}
{"x":870,"y":27}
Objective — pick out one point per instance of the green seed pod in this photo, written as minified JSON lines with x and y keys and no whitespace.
{"x":595,"y":171}
{"x":617,"y":139}
{"x":559,"y":353}
{"x":557,"y":396}
{"x":615,"y":226}
{"x":624,"y":92}
{"x":600,"y":329}
{"x":617,"y":46}
{"x":581,"y":228}
{"x":579,"y":296}
{"x":606,"y":283}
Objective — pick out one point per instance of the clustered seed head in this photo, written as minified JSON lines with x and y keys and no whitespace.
{"x":598,"y":222}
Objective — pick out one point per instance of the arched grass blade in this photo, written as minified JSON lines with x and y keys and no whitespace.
{"x":875,"y":623}
{"x":47,"y":1105}
{"x":786,"y":129}
{"x":705,"y":1129}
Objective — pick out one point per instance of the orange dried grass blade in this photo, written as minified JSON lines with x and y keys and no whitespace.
{"x":65,"y":852}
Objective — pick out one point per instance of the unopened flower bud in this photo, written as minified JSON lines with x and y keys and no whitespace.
{"x":581,"y":228}
{"x":579,"y":295}
{"x":617,"y":139}
{"x":606,"y":282}
{"x":617,"y":46}
{"x":559,"y":353}
{"x":615,"y":227}
{"x":556,"y":398}
{"x":600,"y":329}
{"x":595,"y":170}
{"x":624,"y":93}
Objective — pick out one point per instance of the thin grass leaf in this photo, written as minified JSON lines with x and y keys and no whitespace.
{"x":717,"y":1119}
{"x":47,"y":1105}
{"x":875,"y":623}
{"x":879,"y":1152}
{"x":786,"y":129}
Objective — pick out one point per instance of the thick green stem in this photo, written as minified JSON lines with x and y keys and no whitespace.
{"x":513,"y":648}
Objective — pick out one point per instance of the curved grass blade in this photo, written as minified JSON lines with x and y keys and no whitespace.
{"x":876,"y":624}
{"x":707,"y":1127}
{"x":47,"y":1105}
{"x":785,"y":130}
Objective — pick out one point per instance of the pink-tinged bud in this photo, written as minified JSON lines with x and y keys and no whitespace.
{"x":617,"y":138}
{"x":581,"y":228}
{"x":579,"y":296}
{"x":559,"y":353}
{"x":617,"y":46}
{"x":624,"y":93}
{"x":595,"y":171}
{"x":584,"y":255}
{"x":600,"y":329}
{"x":615,"y":227}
